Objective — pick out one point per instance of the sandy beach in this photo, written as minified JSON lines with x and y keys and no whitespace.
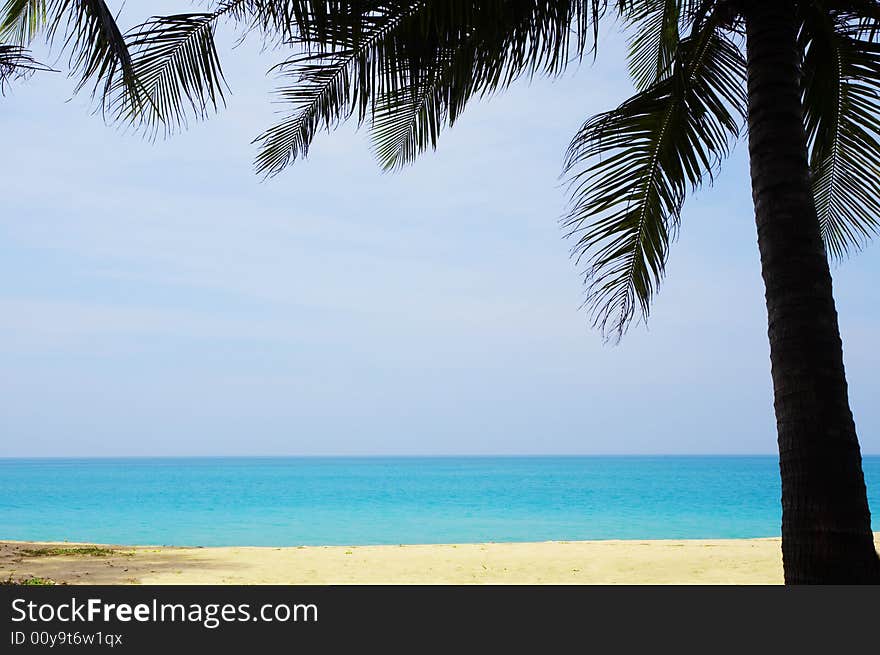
{"x":727,"y":561}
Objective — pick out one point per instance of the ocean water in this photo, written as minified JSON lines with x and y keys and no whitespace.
{"x":348,"y":501}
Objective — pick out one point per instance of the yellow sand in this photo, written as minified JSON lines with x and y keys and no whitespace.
{"x":733,"y":561}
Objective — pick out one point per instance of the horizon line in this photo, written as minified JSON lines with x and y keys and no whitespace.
{"x":399,"y":456}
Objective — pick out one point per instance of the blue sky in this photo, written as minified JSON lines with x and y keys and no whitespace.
{"x":160,"y":299}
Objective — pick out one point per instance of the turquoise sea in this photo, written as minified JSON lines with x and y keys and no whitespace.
{"x":345,"y":501}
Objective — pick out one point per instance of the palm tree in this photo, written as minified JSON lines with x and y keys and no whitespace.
{"x":802,"y":76}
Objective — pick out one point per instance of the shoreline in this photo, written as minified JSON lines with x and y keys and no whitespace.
{"x":722,"y":561}
{"x":691,"y":561}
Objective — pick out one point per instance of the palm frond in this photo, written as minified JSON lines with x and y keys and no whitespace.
{"x":407,"y":122}
{"x":329,"y":85}
{"x":97,"y":46}
{"x":88,"y":31}
{"x":629,"y":170}
{"x":841,"y":91}
{"x":413,"y":66}
{"x":178,"y":71}
{"x":177,"y":66}
{"x":495,"y":48}
{"x":657,"y":27}
{"x":654,"y":41}
{"x":22,"y":20}
{"x":863,"y":15}
{"x":176,"y":61}
{"x":16,"y":62}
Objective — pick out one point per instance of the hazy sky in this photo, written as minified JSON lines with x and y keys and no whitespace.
{"x":159,"y":299}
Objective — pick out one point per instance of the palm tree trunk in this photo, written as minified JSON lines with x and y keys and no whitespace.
{"x":826,"y":524}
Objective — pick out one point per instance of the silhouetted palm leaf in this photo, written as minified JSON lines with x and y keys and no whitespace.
{"x":864,"y":15}
{"x":329,"y":85}
{"x":15,"y":62}
{"x":22,"y":20}
{"x":842,"y":115}
{"x":408,"y":121}
{"x":630,"y":169}
{"x":176,"y":64}
{"x":654,"y":40}
{"x":413,"y":66}
{"x":88,"y":30}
